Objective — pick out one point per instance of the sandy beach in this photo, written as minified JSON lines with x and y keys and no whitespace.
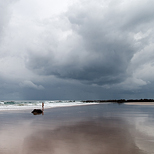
{"x":140,"y":103}
{"x":92,"y":129}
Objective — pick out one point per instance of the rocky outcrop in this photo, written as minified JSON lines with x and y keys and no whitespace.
{"x":37,"y":111}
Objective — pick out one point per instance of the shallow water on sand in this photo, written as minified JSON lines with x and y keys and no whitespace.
{"x":93,"y":129}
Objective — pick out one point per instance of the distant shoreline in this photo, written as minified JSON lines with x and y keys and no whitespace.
{"x":120,"y":101}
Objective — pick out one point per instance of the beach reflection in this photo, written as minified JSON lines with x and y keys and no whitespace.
{"x":105,"y":136}
{"x":98,"y":129}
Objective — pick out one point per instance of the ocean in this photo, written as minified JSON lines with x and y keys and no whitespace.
{"x":31,"y":104}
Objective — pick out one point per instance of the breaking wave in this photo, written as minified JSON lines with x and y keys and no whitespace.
{"x":22,"y":105}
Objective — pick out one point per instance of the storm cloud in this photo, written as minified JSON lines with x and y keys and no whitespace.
{"x":93,"y":51}
{"x":103,"y":45}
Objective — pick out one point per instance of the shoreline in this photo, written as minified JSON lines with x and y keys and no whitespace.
{"x":25,"y":108}
{"x":30,"y":108}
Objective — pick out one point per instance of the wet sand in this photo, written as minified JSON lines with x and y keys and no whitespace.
{"x":90,"y":129}
{"x":140,"y":103}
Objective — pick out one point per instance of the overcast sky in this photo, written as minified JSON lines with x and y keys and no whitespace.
{"x":76,"y":49}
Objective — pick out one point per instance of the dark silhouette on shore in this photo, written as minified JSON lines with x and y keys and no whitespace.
{"x":39,"y":111}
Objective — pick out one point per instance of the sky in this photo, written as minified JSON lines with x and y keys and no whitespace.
{"x":76,"y":49}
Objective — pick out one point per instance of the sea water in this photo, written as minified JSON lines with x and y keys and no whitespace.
{"x":31,"y":104}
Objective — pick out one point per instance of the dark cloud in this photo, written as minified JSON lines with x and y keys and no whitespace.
{"x":105,"y":46}
{"x":102,"y":50}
